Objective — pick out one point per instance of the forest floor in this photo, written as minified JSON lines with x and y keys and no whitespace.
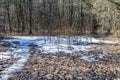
{"x":96,"y":60}
{"x":70,"y":67}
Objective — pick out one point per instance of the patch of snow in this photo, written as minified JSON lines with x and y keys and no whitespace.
{"x":23,"y":54}
{"x":91,"y":59}
{"x":91,"y":40}
{"x":4,"y":55}
{"x":102,"y":55}
{"x":88,"y":58}
{"x":55,"y":44}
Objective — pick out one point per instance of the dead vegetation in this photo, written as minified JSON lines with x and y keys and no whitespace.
{"x":62,"y":66}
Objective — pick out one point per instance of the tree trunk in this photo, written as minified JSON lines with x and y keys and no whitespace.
{"x":30,"y":16}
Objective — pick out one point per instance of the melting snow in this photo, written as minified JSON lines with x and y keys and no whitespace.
{"x":21,"y":44}
{"x":4,"y":55}
{"x":88,"y":58}
{"x":102,"y":54}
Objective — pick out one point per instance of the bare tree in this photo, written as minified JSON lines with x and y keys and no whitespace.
{"x":30,"y":16}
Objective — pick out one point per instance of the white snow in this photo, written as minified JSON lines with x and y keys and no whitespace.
{"x":21,"y":45}
{"x":102,"y":55}
{"x":55,"y":44}
{"x":88,"y":58}
{"x":52,"y":45}
{"x":17,"y":66}
{"x":91,"y":58}
{"x":21,"y":51}
{"x":4,"y":55}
